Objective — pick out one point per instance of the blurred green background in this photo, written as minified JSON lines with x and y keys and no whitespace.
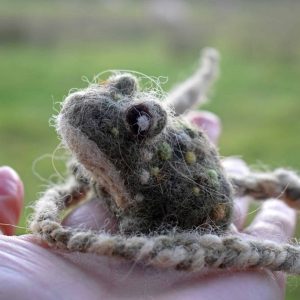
{"x":47,"y":46}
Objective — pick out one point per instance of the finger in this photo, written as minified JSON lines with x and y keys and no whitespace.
{"x":11,"y":199}
{"x":91,"y":215}
{"x":206,"y":121}
{"x":275,"y":221}
{"x":236,"y":166}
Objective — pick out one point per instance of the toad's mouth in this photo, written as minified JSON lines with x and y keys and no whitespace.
{"x":95,"y":161}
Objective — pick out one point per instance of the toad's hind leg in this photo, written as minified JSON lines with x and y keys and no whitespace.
{"x":194,"y":89}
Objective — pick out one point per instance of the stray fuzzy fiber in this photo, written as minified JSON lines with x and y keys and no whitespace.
{"x":160,"y":178}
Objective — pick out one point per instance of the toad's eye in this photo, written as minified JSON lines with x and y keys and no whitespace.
{"x":146,"y":119}
{"x":139,"y":119}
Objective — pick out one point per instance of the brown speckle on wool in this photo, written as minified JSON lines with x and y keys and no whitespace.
{"x":160,"y":178}
{"x":219,"y":212}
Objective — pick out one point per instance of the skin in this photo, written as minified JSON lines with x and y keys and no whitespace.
{"x":31,"y":270}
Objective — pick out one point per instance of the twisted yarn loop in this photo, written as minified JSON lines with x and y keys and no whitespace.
{"x":183,"y":251}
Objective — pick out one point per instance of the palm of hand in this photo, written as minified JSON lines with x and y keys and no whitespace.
{"x":31,"y":270}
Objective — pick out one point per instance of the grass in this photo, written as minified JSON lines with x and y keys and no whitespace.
{"x":256,"y":100}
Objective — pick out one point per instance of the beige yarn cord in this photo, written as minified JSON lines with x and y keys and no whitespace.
{"x":185,"y":251}
{"x":281,"y":183}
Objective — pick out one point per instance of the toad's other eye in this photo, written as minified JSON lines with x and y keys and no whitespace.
{"x":146,"y":119}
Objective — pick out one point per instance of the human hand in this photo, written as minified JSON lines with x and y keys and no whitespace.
{"x":29,"y":269}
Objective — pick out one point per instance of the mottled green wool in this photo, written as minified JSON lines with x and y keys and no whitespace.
{"x":170,"y":173}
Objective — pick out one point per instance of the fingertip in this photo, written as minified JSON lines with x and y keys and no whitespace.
{"x":235,"y":165}
{"x":240,"y":211}
{"x":275,"y":221}
{"x":207,"y":121}
{"x":238,"y":167}
{"x":11,"y":199}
